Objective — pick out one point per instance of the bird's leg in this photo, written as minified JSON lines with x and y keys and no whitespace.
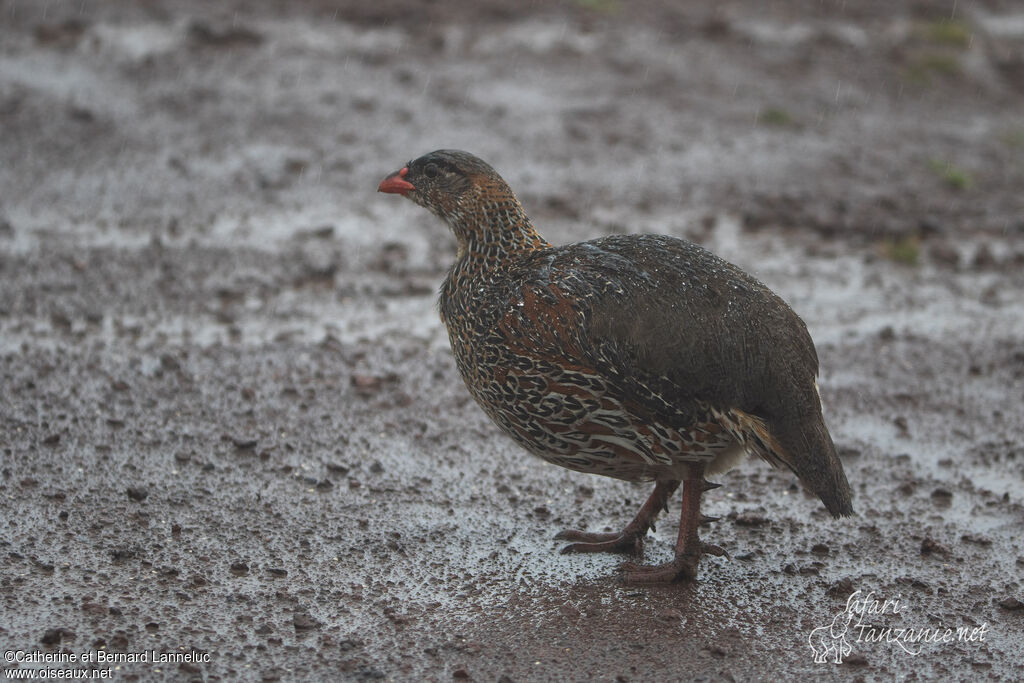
{"x":630,"y":539}
{"x":689,"y":547}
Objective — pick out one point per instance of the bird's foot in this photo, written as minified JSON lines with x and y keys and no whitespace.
{"x":631,"y":539}
{"x":627,"y":541}
{"x":682,"y":568}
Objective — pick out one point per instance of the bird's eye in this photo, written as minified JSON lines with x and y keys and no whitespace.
{"x":430,"y":170}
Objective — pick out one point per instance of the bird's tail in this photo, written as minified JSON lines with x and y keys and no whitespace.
{"x":812,"y":456}
{"x":801,"y":443}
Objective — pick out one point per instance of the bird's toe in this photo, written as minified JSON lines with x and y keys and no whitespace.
{"x":682,"y":568}
{"x":587,"y":542}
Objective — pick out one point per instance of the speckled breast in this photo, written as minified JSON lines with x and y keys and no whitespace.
{"x":525,"y":362}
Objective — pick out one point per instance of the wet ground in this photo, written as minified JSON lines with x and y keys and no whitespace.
{"x":230,"y":422}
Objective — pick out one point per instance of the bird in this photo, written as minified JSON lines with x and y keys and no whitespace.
{"x":645,"y":358}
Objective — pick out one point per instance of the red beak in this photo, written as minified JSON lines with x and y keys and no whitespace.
{"x":396,"y":183}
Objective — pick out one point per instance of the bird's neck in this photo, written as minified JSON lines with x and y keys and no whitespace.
{"x":492,"y":229}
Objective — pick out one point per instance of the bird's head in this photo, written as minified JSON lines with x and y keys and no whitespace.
{"x":444,"y":182}
{"x":470,"y":197}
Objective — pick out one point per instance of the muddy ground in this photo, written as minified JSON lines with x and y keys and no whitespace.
{"x":230,"y":422}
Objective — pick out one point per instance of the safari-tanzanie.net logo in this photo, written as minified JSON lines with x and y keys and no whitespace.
{"x":869,"y":622}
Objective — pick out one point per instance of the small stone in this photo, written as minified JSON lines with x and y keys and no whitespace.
{"x":137,"y":493}
{"x":366,"y":383}
{"x":1011,"y":604}
{"x":54,"y":636}
{"x":975,"y":539}
{"x":304,"y":622}
{"x":170,"y":363}
{"x":750,"y":519}
{"x":930,"y":545}
{"x":346,"y":644}
{"x":244,"y":443}
{"x":842,"y":588}
{"x":902,"y":425}
{"x":123,"y":553}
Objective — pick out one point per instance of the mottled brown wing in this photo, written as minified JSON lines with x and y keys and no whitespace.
{"x":667,"y":313}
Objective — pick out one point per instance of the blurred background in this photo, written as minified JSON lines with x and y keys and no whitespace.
{"x":229,"y":419}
